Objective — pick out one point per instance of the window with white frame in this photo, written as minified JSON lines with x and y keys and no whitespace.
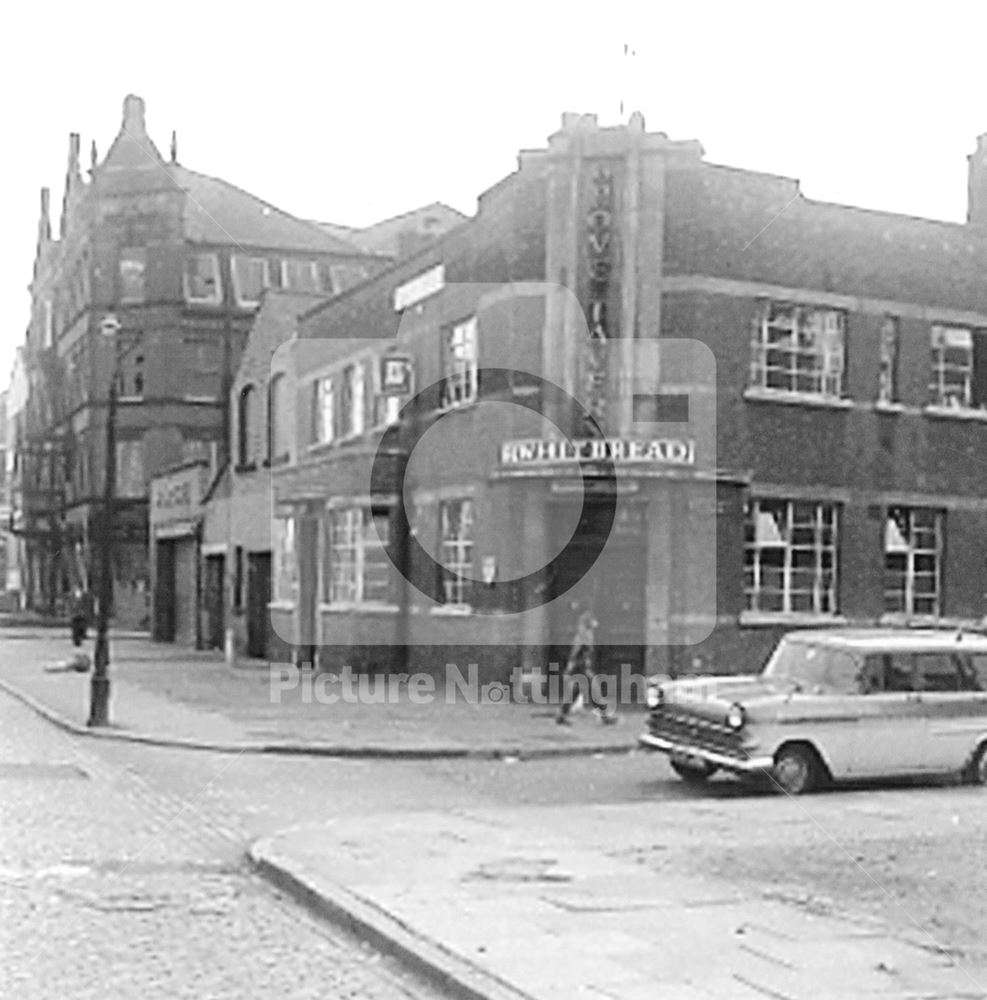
{"x":790,"y":556}
{"x":323,"y":410}
{"x":202,"y":279}
{"x":912,"y":557}
{"x":278,"y":436}
{"x":887,"y":381}
{"x":387,"y":407}
{"x":251,"y":276}
{"x":133,"y":263}
{"x":357,"y":563}
{"x":285,"y":559}
{"x":799,"y":349}
{"x":959,"y":368}
{"x":459,"y":364}
{"x":352,"y":403}
{"x":456,"y":550}
{"x":301,"y":275}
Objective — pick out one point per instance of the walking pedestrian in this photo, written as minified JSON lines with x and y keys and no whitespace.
{"x":580,"y":665}
{"x":80,"y":613}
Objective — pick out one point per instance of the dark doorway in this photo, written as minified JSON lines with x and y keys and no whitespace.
{"x":258,"y":598}
{"x":164,"y":592}
{"x":614,"y":587}
{"x":215,"y":622}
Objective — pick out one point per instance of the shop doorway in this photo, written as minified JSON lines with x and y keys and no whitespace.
{"x":164,"y":592}
{"x":258,"y":598}
{"x":214,"y":604}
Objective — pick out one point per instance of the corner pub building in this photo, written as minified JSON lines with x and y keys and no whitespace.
{"x":793,"y":393}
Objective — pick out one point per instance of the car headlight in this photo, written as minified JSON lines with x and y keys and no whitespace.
{"x":655,"y":697}
{"x":736,"y":717}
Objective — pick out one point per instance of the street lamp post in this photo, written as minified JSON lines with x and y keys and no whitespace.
{"x":99,"y":699}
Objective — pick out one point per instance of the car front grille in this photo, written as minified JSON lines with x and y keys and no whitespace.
{"x":692,"y":730}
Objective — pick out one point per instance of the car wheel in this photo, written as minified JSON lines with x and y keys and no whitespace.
{"x":976,"y":772}
{"x":796,"y":770}
{"x":693,"y":774}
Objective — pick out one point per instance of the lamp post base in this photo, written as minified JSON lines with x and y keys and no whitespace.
{"x":99,"y":701}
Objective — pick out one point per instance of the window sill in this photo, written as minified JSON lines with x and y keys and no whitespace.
{"x":899,"y":619}
{"x":452,"y":611}
{"x":189,"y":301}
{"x":891,"y":408}
{"x":192,"y":398}
{"x":319,"y":447}
{"x":797,"y":399}
{"x":767,"y":618}
{"x":281,"y":606}
{"x":367,"y":608}
{"x":955,"y":413}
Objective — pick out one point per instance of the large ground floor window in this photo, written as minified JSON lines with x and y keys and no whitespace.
{"x":912,"y":559}
{"x":790,"y":556}
{"x":356,"y":565}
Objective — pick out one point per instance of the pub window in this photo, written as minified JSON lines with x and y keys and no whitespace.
{"x":245,"y":416}
{"x":323,"y":411}
{"x":353,"y":401}
{"x":790,"y":556}
{"x":912,"y":556}
{"x":250,"y":278}
{"x":356,"y":554}
{"x":202,"y":279}
{"x":278,"y":444}
{"x":456,"y":537}
{"x":387,"y":407}
{"x":799,"y":349}
{"x":887,"y":386}
{"x":959,"y":368}
{"x":459,"y":364}
{"x":133,"y":262}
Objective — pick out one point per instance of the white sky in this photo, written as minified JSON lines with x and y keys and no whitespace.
{"x":353,"y":113}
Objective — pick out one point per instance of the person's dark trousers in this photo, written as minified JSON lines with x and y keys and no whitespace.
{"x":78,"y":630}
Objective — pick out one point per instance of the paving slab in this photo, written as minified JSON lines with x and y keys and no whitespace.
{"x":542,"y":938}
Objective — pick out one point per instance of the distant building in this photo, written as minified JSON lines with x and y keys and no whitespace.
{"x":818,"y":460}
{"x":403,"y":234}
{"x":181,"y":261}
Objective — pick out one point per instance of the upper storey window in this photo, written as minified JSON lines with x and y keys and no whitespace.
{"x":133,"y":262}
{"x":202,"y":285}
{"x":799,"y":349}
{"x":251,"y":275}
{"x":460,"y":364}
{"x":959,"y":368}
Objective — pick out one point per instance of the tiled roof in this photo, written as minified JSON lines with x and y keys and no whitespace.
{"x":219,"y":212}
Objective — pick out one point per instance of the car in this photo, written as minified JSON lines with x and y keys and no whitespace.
{"x":831,"y":705}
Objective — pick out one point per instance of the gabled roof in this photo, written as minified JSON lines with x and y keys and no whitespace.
{"x":385,"y":237}
{"x":219,"y":212}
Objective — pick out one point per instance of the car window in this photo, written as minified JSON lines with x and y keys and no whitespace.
{"x":842,"y":673}
{"x":938,"y":671}
{"x":978,"y":667}
{"x":899,"y":671}
{"x":872,"y":675}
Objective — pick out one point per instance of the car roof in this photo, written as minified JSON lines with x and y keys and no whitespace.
{"x":903,"y":640}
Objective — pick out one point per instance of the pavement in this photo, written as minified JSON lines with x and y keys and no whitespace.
{"x":167,"y":696}
{"x":510,"y":904}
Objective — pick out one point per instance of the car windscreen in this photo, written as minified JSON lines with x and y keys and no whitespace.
{"x":802,"y":663}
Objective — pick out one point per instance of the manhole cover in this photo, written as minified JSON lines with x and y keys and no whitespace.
{"x":28,"y":770}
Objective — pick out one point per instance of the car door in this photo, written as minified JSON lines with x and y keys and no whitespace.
{"x":954,"y":705}
{"x":890,"y":734}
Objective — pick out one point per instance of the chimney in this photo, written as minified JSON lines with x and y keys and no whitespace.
{"x":976,"y":211}
{"x":74,"y":147}
{"x":44,"y":223}
{"x":133,"y":115}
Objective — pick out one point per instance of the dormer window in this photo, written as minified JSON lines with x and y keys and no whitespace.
{"x":251,"y":276}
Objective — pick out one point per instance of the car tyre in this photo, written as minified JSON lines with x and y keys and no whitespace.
{"x":692,"y":774}
{"x":976,"y":771}
{"x":797,"y":770}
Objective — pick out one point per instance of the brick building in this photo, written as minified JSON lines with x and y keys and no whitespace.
{"x":180,"y":260}
{"x":814,"y":457}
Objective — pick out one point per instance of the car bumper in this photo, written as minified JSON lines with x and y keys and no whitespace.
{"x":742,"y":765}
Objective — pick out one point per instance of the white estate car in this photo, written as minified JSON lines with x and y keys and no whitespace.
{"x":840,"y":703}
